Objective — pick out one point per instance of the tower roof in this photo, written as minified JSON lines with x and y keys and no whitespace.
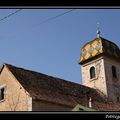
{"x":99,"y":46}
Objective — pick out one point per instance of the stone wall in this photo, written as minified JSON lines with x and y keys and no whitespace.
{"x":113,"y":84}
{"x":48,"y":106}
{"x":99,"y":82}
{"x":15,"y":96}
{"x":104,"y":81}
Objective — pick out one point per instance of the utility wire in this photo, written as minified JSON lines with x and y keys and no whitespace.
{"x":10,"y":15}
{"x":54,"y":17}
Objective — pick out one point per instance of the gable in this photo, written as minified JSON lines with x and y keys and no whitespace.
{"x":15,"y":96}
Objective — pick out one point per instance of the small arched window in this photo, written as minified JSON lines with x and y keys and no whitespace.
{"x":114,"y":74}
{"x":118,"y":100}
{"x":92,"y":72}
{"x":1,"y":93}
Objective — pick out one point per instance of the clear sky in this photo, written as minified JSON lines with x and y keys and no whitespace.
{"x":53,"y":47}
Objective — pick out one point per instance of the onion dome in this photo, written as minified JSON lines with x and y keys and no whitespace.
{"x":99,"y":47}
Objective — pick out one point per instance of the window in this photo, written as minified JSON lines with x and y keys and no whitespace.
{"x":92,"y":72}
{"x":118,"y":100}
{"x":2,"y":93}
{"x":114,"y":72}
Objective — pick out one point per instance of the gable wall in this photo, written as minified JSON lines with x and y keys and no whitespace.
{"x":16,"y":98}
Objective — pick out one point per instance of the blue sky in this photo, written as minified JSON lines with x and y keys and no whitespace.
{"x":53,"y":47}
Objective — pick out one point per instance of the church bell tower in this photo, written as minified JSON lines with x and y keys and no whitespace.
{"x":100,"y":65}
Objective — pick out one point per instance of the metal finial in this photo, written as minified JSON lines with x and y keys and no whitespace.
{"x":98,"y":31}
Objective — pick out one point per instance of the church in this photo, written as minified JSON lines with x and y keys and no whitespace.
{"x":27,"y":90}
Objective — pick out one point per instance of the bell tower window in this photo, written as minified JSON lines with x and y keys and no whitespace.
{"x":118,"y":99}
{"x":92,"y":72}
{"x":114,"y":74}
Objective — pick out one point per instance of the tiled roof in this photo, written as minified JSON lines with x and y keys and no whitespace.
{"x":100,"y":106}
{"x":52,"y":89}
{"x":59,"y":91}
{"x":99,"y":46}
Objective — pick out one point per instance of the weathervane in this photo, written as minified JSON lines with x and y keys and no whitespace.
{"x":98,"y":31}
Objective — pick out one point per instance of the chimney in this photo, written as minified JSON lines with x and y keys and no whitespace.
{"x":90,"y":102}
